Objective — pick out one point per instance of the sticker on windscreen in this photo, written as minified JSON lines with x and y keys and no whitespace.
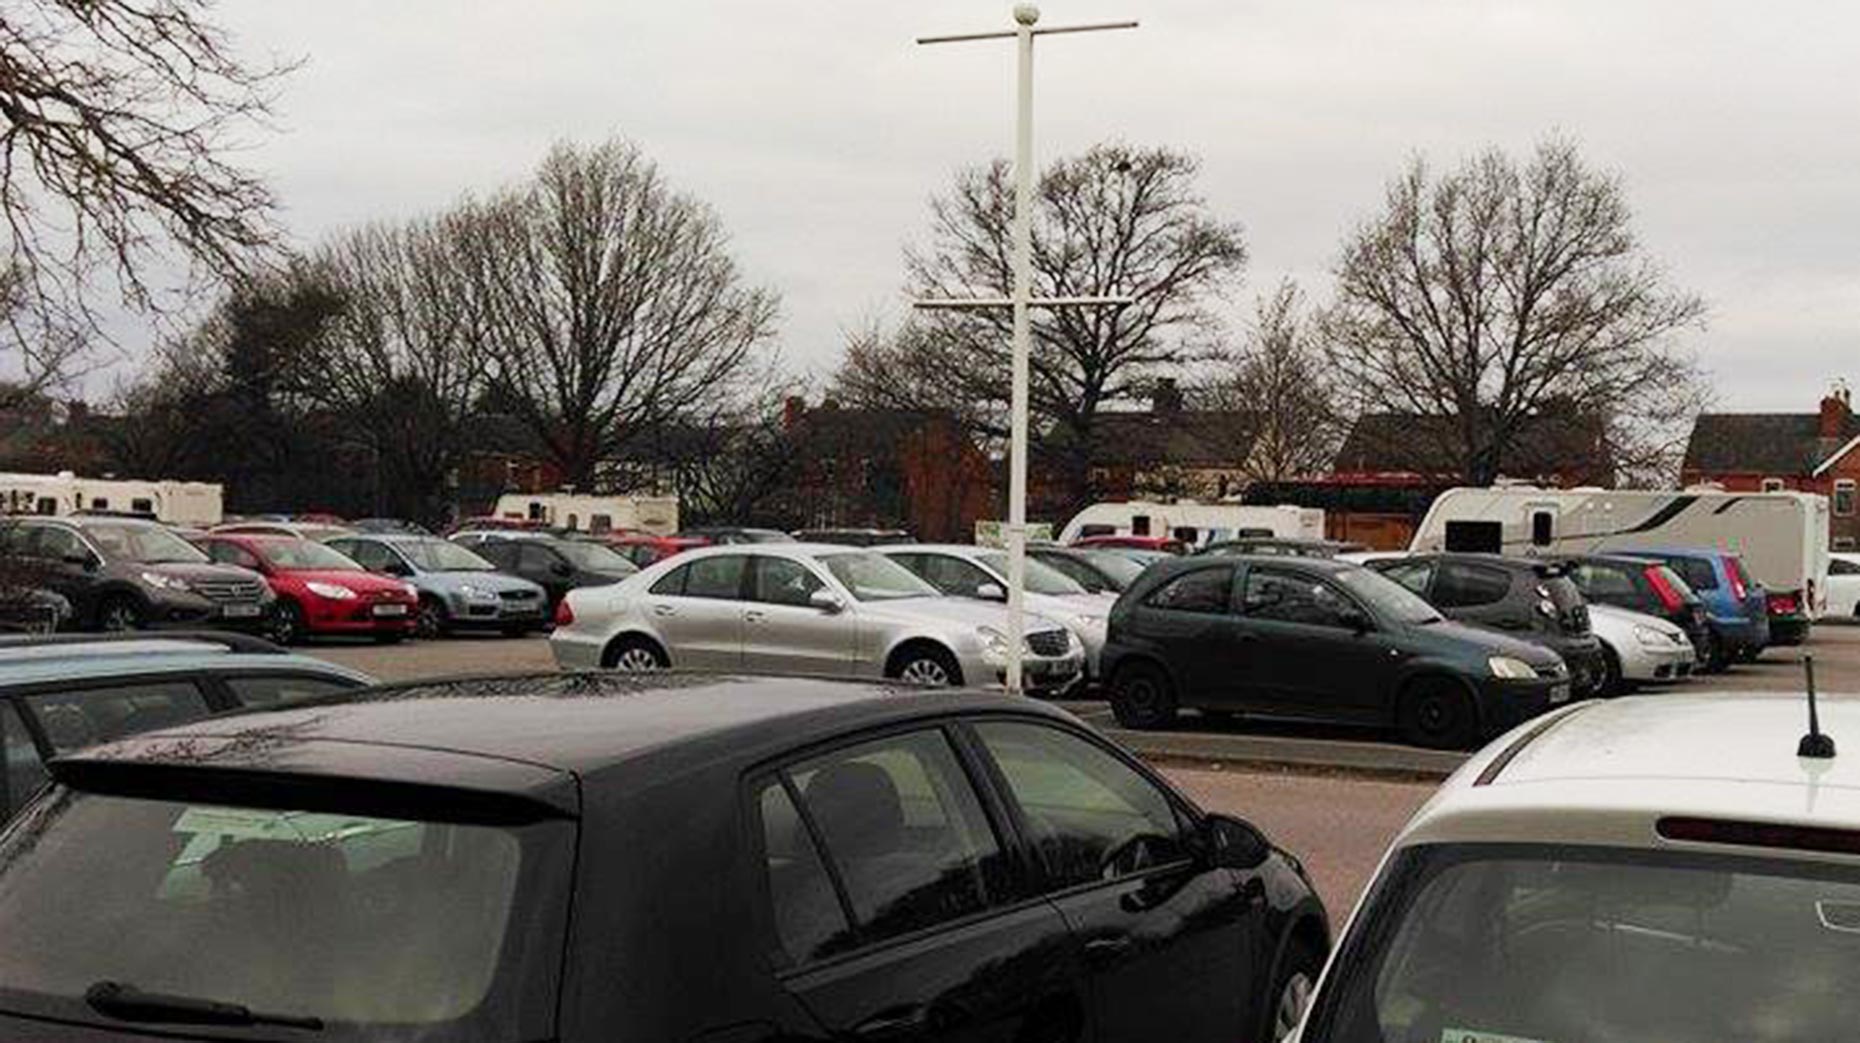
{"x":256,"y":824}
{"x":1474,"y":1036}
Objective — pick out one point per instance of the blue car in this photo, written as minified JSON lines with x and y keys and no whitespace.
{"x":458,"y":589}
{"x":1736,"y":606}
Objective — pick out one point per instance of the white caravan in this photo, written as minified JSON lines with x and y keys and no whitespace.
{"x":1781,"y":537}
{"x":1196,"y":524}
{"x":176,"y":503}
{"x":655,"y":514}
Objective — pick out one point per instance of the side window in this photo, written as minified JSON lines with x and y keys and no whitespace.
{"x":809,"y":919}
{"x":953,"y":575}
{"x":718,"y":577}
{"x":531,"y":557}
{"x":1600,"y":581}
{"x":25,"y":772}
{"x":672,"y":584}
{"x":281,"y":689}
{"x":1698,"y":573}
{"x":780,"y":581}
{"x":1091,"y":816}
{"x":369,"y":555}
{"x":231,"y":554}
{"x":1415,"y":575}
{"x":903,"y":833}
{"x":1469,"y":586}
{"x":1841,"y":567}
{"x":1203,"y":591}
{"x":1077,"y":571}
{"x":1284,"y":597}
{"x":86,"y":716}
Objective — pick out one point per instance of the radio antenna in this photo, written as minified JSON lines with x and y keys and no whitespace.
{"x":1814,"y":744}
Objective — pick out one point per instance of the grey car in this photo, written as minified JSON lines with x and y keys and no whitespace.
{"x":458,"y":589}
{"x":799,"y":608}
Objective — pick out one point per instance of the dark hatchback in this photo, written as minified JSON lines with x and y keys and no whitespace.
{"x":618,"y":857}
{"x":557,"y":566}
{"x":1317,"y":639}
{"x":126,"y":574}
{"x":1534,"y":600}
{"x":1647,"y":586}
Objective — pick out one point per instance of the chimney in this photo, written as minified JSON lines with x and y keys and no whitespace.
{"x":793,"y":408}
{"x":1166,"y":397}
{"x":1836,"y":411}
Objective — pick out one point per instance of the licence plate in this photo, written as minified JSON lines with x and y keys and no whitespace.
{"x":1559,"y":694}
{"x":240,"y":611}
{"x":390,"y":610}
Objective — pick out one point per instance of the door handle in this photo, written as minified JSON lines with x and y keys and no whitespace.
{"x":1101,"y":951}
{"x":664,"y":611}
{"x":755,"y":615}
{"x":891,"y":1023}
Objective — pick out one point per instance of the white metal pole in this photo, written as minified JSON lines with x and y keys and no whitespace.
{"x":1026,"y":15}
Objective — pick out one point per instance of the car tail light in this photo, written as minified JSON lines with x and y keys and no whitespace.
{"x":1738,"y":590}
{"x":1664,"y":590}
{"x":564,"y":616}
{"x":1782,"y":604}
{"x":1760,"y":834}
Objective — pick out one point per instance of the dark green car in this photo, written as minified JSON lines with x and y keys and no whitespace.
{"x":1316,"y":639}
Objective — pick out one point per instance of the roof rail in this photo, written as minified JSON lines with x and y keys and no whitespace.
{"x":231,"y":641}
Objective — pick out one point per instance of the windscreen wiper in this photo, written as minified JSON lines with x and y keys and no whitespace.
{"x":128,"y":1003}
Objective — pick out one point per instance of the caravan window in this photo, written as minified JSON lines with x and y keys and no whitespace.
{"x":47,"y":505}
{"x":1185,"y":533}
{"x":99,"y":503}
{"x":1475,"y":537}
{"x":1140,"y":525}
{"x":142,"y":505}
{"x":1543,"y":528}
{"x":1088,"y":531}
{"x":599,"y":523}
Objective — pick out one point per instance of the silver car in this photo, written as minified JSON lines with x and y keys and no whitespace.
{"x":959,"y":570}
{"x":796,"y":608}
{"x":1639,"y":648}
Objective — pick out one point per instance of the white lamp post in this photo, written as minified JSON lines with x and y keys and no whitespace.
{"x":1025,"y":17}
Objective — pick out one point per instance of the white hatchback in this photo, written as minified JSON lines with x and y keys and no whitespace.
{"x":1662,"y":869}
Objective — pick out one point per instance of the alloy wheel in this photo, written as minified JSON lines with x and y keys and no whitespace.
{"x":637,"y":660}
{"x":429,"y":622}
{"x":1293,"y":999}
{"x":926,"y":672}
{"x":119,"y":616}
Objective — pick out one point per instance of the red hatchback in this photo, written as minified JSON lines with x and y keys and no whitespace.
{"x":644,"y":548}
{"x":320,"y":590}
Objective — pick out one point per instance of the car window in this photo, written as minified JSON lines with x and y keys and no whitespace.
{"x":1287,"y":597}
{"x":781,"y":581}
{"x":231,"y":554}
{"x":143,"y":544}
{"x":1697,"y":572}
{"x":369,"y":555}
{"x":52,"y":543}
{"x":951,"y":575}
{"x":25,"y":771}
{"x":532,"y":557}
{"x":1464,"y":585}
{"x":1040,"y":577}
{"x":1204,"y":591}
{"x":1840,"y":567}
{"x":90,"y":714}
{"x":1415,"y":575}
{"x":1603,"y":581}
{"x":1091,"y":816}
{"x":718,"y":577}
{"x":282,"y":689}
{"x":904,"y":832}
{"x":1077,"y":571}
{"x":809,"y":920}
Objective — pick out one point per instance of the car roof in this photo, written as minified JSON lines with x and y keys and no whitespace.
{"x":1605,"y":772}
{"x":35,"y":662}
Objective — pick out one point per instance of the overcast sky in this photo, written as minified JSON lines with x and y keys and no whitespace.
{"x":818,"y":130}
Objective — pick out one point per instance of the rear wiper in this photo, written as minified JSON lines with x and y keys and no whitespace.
{"x":128,"y":1003}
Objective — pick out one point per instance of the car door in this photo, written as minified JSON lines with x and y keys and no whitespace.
{"x":1320,"y":654}
{"x":785,"y":632}
{"x":697,"y":610}
{"x":1480,"y":595}
{"x":1172,"y":947}
{"x":545,"y":567}
{"x":59,"y":558}
{"x":1189,"y":622}
{"x":896,"y":910}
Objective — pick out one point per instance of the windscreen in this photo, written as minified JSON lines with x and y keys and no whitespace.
{"x":380,"y":928}
{"x":595,"y":557}
{"x":1122,"y":570}
{"x":441,"y":556}
{"x":1578,"y":945}
{"x":874,"y":577}
{"x":307,"y":555}
{"x":144,"y":544}
{"x":1041,"y":577}
{"x":1387,"y":598}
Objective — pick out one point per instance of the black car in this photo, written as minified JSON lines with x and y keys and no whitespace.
{"x":1096,"y":570}
{"x":1535,"y":600}
{"x":1282,"y":547}
{"x":1646,"y":586}
{"x":126,"y":574}
{"x":557,"y":566}
{"x":593,"y":857}
{"x":1317,"y":638}
{"x":733,"y":534}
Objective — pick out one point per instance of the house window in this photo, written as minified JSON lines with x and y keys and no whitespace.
{"x":1773,"y":485}
{"x":1844,"y":497}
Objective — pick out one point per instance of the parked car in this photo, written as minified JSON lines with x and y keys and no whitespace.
{"x":963,"y":571}
{"x":303,"y":530}
{"x":1647,"y":869}
{"x":730,"y":534}
{"x":32,"y":609}
{"x":1317,"y":639}
{"x":607,"y":857}
{"x":557,"y":566}
{"x":123,"y":574}
{"x":1646,"y":586}
{"x":380,"y":526}
{"x":1164,"y":544}
{"x":66,"y":692}
{"x":798,"y":608}
{"x":855,"y":537}
{"x":644,"y":548}
{"x":1283,"y":546}
{"x":1098,"y":571}
{"x":1639,"y":649}
{"x":1534,"y":600}
{"x":319,"y":589}
{"x":458,"y":589}
{"x":1737,"y":609}
{"x":1844,"y":585}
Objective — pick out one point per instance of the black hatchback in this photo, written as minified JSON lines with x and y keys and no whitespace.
{"x":590,"y":857}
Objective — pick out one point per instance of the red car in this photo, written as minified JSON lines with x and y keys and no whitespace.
{"x":1159,"y":543}
{"x":643,"y":548}
{"x":320,"y":590}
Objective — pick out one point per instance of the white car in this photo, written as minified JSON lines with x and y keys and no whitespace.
{"x":960,"y":570}
{"x":1843,"y":586}
{"x":1639,"y":649}
{"x":797,"y":608}
{"x":1635,"y":869}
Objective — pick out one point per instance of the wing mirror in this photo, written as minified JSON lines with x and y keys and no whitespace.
{"x":827,"y":601}
{"x":1356,"y":619}
{"x":87,"y":562}
{"x":1225,"y":842}
{"x":991,"y":592}
{"x":397,"y":568}
{"x":561,"y":570}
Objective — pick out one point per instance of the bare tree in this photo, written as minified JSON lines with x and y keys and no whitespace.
{"x":736,"y":462}
{"x":612,"y":303}
{"x":117,"y":121}
{"x":1504,"y":292}
{"x":1279,"y":392}
{"x":1117,"y":220}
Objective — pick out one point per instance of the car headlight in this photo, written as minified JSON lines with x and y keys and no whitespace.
{"x":1651,"y":638}
{"x":1510,"y":669}
{"x":330,"y":590}
{"x":994,"y":642}
{"x":411,"y":590}
{"x":466,"y":590}
{"x":161,"y":581}
{"x":1095,"y":622}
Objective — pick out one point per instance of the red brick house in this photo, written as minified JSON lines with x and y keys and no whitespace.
{"x":1815,"y":452}
{"x":879,"y":468}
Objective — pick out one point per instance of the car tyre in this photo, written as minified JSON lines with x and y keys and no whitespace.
{"x":635,"y":655}
{"x":430,"y":619}
{"x":1437,"y":713}
{"x":120,"y":613}
{"x":286,"y":626}
{"x":1292,"y":988}
{"x":1613,"y":683}
{"x":390,"y":637}
{"x":926,"y":665}
{"x":1143,"y":697}
{"x":1713,"y":655}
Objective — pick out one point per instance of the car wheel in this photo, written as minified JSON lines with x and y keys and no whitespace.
{"x":1438,"y":714}
{"x":635,"y":655}
{"x":1612,"y":682}
{"x":430,"y":621}
{"x":1292,"y":989}
{"x":928,"y":666}
{"x":1713,"y":655}
{"x":1142,"y":696}
{"x":1748,"y":655}
{"x":287,"y":624}
{"x":120,"y":613}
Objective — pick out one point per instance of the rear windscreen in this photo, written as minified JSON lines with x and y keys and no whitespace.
{"x":1697,"y":572}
